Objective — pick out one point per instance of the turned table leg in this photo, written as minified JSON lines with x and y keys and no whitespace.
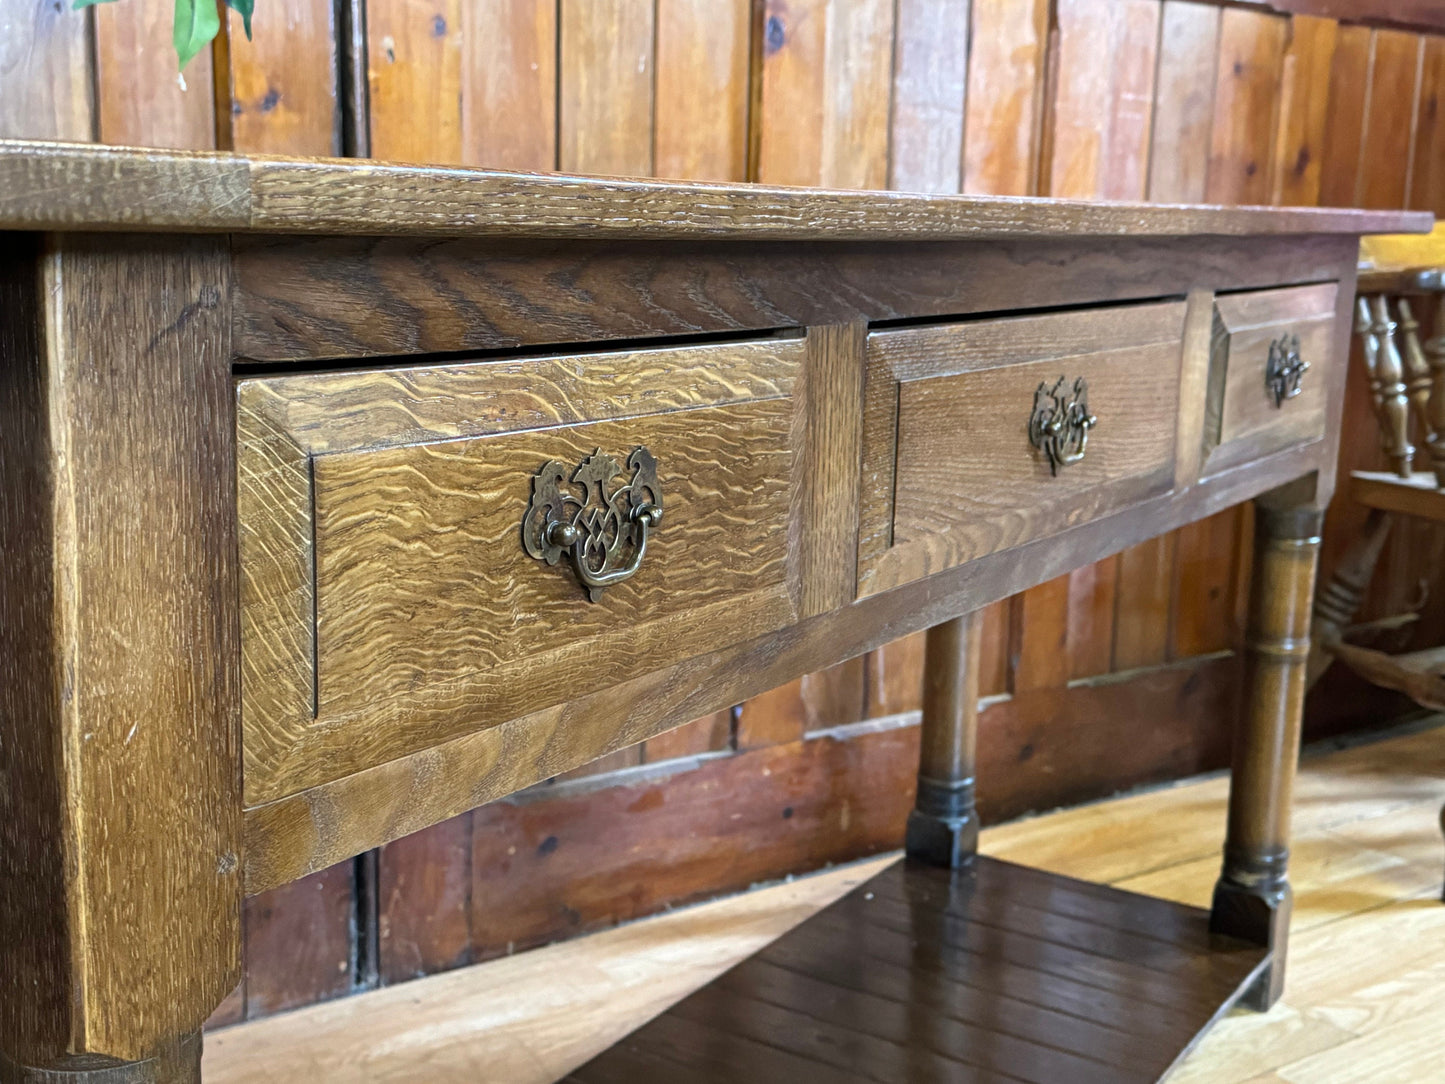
{"x":943,"y":826}
{"x":1252,"y":899}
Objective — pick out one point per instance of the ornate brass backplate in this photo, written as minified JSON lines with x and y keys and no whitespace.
{"x":605,"y":533}
{"x":1284,"y":368}
{"x":1060,"y":423}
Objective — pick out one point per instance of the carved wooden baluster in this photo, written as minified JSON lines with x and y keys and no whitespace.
{"x":1435,"y":358}
{"x":1387,"y":380}
{"x":1417,"y":373}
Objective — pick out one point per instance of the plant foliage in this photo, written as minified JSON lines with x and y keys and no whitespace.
{"x":197,"y":23}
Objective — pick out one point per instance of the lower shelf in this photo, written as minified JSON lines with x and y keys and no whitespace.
{"x":993,"y":973}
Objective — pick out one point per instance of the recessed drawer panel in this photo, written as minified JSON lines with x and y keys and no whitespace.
{"x":987,"y":435}
{"x":429,"y":551}
{"x":1262,"y":397}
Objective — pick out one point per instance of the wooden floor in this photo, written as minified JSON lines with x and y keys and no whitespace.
{"x":1365,"y":998}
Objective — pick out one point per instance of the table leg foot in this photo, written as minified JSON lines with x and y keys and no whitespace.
{"x":178,"y":1063}
{"x":943,"y":826}
{"x":1256,"y":910}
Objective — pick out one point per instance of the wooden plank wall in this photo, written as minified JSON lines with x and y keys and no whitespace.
{"x":1099,"y":680}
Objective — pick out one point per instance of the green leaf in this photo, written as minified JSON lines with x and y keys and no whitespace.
{"x":197,"y":22}
{"x":242,"y":8}
{"x":87,"y":3}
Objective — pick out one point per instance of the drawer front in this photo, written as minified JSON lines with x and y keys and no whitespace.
{"x":953,"y":468}
{"x":1259,"y":402}
{"x":397,"y":589}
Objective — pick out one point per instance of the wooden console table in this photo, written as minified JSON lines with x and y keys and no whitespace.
{"x":339,"y":498}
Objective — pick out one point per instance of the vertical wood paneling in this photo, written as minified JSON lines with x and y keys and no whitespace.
{"x":1390,"y":120}
{"x":703,"y":89}
{"x":1427,"y":177}
{"x":827,"y":74}
{"x":1005,"y":82}
{"x":140,"y":97}
{"x":606,"y":94}
{"x":1103,"y":94}
{"x":1146,"y":588}
{"x":1345,"y":132}
{"x":1184,"y":105}
{"x":818,"y":701}
{"x":1303,"y":112}
{"x":794,"y":74}
{"x":1039,"y":637}
{"x":46,"y":85}
{"x":283,"y":83}
{"x":996,"y":666}
{"x":777,"y":716}
{"x":509,"y":85}
{"x":298,"y":943}
{"x":930,"y":77}
{"x":1251,"y":57}
{"x":425,"y":895}
{"x":414,"y":71}
{"x":711,"y":733}
{"x":895,"y":677}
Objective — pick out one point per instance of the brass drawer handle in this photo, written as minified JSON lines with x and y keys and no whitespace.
{"x":1283,"y":370}
{"x":1059,"y":426}
{"x":605,"y":533}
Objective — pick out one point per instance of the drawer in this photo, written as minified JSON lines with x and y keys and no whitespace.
{"x":1255,"y":404}
{"x":401,"y":581}
{"x":954,"y":470}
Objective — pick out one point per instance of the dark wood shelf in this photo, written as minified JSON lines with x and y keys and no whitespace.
{"x":993,"y":973}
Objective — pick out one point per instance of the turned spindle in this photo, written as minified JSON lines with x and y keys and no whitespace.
{"x":1387,"y":382}
{"x":1435,"y":359}
{"x":1417,"y":373}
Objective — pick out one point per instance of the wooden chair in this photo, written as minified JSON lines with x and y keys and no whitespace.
{"x":1400,"y":278}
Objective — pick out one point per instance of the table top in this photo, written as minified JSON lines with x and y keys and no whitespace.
{"x":59,"y":186}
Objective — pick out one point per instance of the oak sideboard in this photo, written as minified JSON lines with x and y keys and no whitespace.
{"x":338,"y":498}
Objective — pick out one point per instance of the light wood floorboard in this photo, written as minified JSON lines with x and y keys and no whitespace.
{"x":1365,"y":997}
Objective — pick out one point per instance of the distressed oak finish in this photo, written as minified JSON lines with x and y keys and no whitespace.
{"x":120,"y":810}
{"x":304,"y":299}
{"x":120,"y":188}
{"x":287,"y":476}
{"x":1242,"y":419}
{"x":951,"y":474}
{"x":388,"y":603}
{"x":309,"y":831}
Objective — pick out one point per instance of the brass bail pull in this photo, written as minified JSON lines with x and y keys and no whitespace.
{"x":602,"y":530}
{"x":1283,"y":369}
{"x":1060,"y":423}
